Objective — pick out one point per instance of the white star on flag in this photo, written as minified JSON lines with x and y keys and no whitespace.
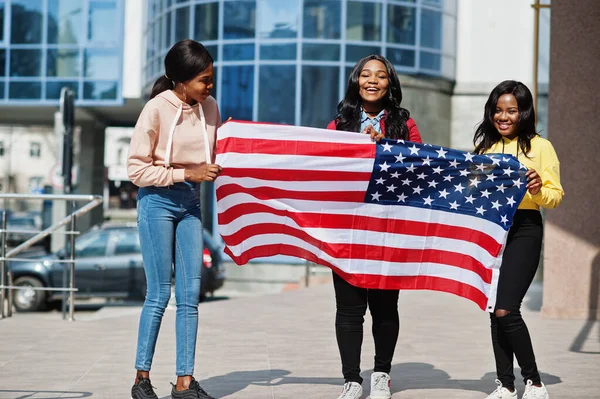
{"x":387,"y":147}
{"x":501,"y":188}
{"x":426,"y":161}
{"x":508,"y":171}
{"x":433,"y":184}
{"x":411,"y":168}
{"x":402,"y":198}
{"x":474,"y":181}
{"x":381,"y":180}
{"x":480,"y":210}
{"x":428,"y":200}
{"x":510,"y":201}
{"x":491,"y":177}
{"x":441,"y":153}
{"x":376,"y":196}
{"x":504,"y":219}
{"x":469,"y":157}
{"x":421,"y":176}
{"x":406,"y":182}
{"x":454,"y":205}
{"x":459,"y":187}
{"x":391,"y":188}
{"x":518,"y":183}
{"x":395,"y":175}
{"x":414,"y":150}
{"x":417,"y":190}
{"x":470,"y":199}
{"x":480,"y":167}
{"x":454,"y":163}
{"x":400,"y":158}
{"x":384,"y":167}
{"x":496,"y":205}
{"x":444,"y":194}
{"x":438,"y":170}
{"x":485,"y":193}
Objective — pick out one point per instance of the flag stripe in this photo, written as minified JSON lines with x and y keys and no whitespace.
{"x":295,"y":175}
{"x":295,"y":185}
{"x":275,"y":193}
{"x":388,"y":252}
{"x":295,"y":148}
{"x":301,"y":163}
{"x":418,"y":282}
{"x":243,"y":214}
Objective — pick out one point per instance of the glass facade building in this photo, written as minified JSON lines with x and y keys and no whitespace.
{"x":48,"y":44}
{"x":288,"y":61}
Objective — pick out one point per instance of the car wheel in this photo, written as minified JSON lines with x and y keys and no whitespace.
{"x":26,"y":299}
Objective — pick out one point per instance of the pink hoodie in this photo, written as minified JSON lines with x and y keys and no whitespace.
{"x":146,"y":164}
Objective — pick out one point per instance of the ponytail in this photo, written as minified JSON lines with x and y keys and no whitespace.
{"x":163,"y":83}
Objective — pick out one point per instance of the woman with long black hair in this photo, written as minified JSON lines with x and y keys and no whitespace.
{"x":508,"y":127}
{"x":372,"y":105}
{"x":171,"y":152}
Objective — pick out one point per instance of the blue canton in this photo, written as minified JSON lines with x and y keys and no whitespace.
{"x":489,"y":186}
{"x":366,"y":121}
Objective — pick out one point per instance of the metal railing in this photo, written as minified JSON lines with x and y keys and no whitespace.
{"x":92,"y":202}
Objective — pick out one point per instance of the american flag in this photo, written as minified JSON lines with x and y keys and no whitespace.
{"x":388,"y":215}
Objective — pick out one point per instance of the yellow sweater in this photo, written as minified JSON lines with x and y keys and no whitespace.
{"x":543,"y":159}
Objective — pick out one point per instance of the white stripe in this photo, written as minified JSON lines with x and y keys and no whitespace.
{"x":370,"y":210}
{"x":372,"y":267}
{"x":366,"y":237}
{"x":304,"y":186}
{"x":290,"y":133}
{"x":297,"y":162}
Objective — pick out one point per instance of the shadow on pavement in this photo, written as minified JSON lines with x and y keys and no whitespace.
{"x":405,"y":376}
{"x":24,"y":394}
{"x":426,"y":376}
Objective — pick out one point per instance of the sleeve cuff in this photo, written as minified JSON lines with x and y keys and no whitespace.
{"x":178,"y":175}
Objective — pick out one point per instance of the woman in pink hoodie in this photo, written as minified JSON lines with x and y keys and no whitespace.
{"x":172,"y":151}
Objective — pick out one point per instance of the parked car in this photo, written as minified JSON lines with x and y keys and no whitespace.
{"x":108,"y":263}
{"x":24,"y":227}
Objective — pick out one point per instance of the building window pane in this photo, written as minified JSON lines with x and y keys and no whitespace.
{"x":1,"y":148}
{"x":355,"y":53}
{"x":430,"y":61}
{"x":213,"y":51}
{"x":102,"y":25}
{"x":64,"y":21}
{"x":364,"y":21}
{"x":26,"y":21}
{"x":35,"y":150}
{"x":167,"y":37}
{"x":238,"y":52}
{"x":240,"y":20}
{"x":63,"y":62}
{"x":101,"y":64}
{"x":100,"y":90}
{"x":1,"y":21}
{"x":401,"y":24}
{"x":53,"y":89}
{"x":182,"y":23}
{"x":321,"y":52}
{"x":322,"y":19}
{"x":2,"y":62}
{"x":278,"y":51}
{"x":279,"y":19}
{"x":401,"y":57}
{"x":431,"y":29}
{"x":25,"y":90}
{"x":277,"y":94}
{"x":25,"y":63}
{"x":319,"y":95}
{"x":237,"y":92}
{"x":207,"y":22}
{"x":1,"y":89}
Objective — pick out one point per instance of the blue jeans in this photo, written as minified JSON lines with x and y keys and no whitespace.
{"x":170,"y":228}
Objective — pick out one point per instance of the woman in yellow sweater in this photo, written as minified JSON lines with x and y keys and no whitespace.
{"x":508,"y":127}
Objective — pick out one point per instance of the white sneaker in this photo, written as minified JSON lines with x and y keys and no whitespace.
{"x":533,"y":392}
{"x":502,"y":393}
{"x":352,"y":390}
{"x":380,"y":386}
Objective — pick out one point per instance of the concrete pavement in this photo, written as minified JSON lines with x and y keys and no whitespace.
{"x":283,"y":346}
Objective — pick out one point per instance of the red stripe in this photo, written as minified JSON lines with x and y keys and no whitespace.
{"x":368,"y":280}
{"x":288,"y":147}
{"x":358,"y":222}
{"x":364,"y":251}
{"x":267,"y":193}
{"x":296,"y":174}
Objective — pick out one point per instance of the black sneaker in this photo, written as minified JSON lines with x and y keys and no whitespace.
{"x":195,"y":391}
{"x":143,"y":390}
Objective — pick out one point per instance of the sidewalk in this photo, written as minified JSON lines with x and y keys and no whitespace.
{"x":283,"y":346}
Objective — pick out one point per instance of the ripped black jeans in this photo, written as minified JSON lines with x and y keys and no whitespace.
{"x":510,"y":336}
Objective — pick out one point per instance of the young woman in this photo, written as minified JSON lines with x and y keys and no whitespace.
{"x":372,"y":105}
{"x":172,"y":151}
{"x":508,"y":127}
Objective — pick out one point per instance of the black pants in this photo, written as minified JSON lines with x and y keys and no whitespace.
{"x":510,"y":336}
{"x":351,"y":305}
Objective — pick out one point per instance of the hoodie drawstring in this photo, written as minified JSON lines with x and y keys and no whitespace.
{"x":207,"y":149}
